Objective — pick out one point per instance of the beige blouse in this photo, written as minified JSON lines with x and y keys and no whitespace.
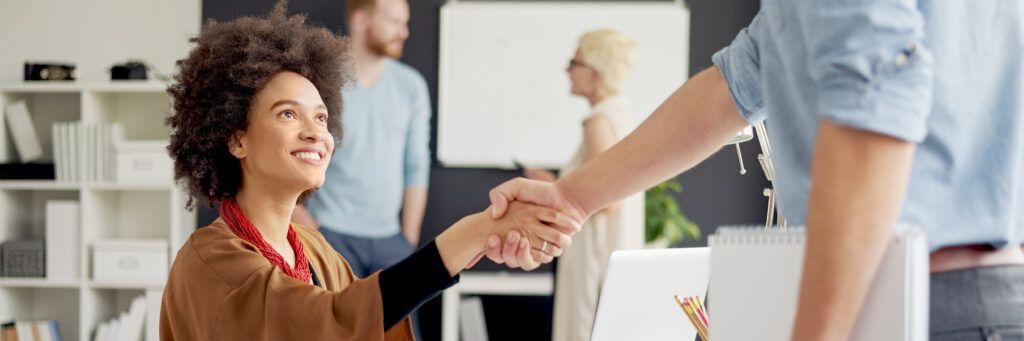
{"x":582,"y":267}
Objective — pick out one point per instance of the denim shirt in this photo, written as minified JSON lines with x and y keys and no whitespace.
{"x":947,"y":75}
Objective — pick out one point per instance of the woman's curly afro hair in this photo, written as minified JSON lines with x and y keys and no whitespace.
{"x":215,"y":85}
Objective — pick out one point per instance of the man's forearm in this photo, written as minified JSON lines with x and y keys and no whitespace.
{"x":413,"y":207}
{"x":697,"y":120}
{"x":858,"y":182}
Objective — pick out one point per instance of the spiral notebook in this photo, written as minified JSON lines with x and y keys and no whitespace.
{"x":755,"y":277}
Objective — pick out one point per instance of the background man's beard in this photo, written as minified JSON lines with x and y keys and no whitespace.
{"x":392,"y":49}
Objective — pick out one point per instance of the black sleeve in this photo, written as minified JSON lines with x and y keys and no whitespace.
{"x":415,"y":280}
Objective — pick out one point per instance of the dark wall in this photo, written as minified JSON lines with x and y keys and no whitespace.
{"x":714,"y":192}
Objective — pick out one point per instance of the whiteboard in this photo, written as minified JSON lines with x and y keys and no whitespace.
{"x":503,"y":89}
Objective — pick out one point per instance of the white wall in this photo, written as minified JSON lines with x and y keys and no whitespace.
{"x":95,"y":34}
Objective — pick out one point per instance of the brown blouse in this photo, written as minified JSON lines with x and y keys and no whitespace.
{"x":221,"y":288}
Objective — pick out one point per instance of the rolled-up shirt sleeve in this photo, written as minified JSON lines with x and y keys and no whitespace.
{"x":740,"y":65}
{"x":872,"y":69}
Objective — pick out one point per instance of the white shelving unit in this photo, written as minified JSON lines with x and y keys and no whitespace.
{"x":108,"y":210}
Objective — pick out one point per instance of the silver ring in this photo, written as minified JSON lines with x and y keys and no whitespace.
{"x":544,"y":247}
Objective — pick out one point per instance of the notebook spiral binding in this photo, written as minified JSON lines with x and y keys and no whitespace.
{"x":758,"y":235}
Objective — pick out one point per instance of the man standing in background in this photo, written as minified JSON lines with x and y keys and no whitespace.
{"x":381,"y":167}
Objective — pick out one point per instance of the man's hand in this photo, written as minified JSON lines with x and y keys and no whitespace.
{"x":539,"y":174}
{"x":535,"y":192}
{"x":533,"y":236}
{"x":564,"y":217}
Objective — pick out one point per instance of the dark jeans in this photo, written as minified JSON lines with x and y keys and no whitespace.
{"x":978,"y":304}
{"x":369,"y":255}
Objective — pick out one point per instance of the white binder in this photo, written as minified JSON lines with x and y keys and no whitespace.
{"x":755,"y":279}
{"x":24,"y":132}
{"x":62,"y":230}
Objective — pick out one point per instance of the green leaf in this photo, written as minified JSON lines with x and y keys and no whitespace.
{"x":664,"y":219}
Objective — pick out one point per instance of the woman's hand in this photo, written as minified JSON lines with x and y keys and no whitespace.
{"x":534,"y":235}
{"x":541,"y":193}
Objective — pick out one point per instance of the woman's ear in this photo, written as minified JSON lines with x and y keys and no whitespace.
{"x":236,"y":145}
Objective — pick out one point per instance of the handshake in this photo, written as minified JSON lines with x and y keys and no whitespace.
{"x":531,"y":223}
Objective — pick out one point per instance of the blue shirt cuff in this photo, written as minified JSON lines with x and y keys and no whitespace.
{"x":740,"y":66}
{"x":896,"y":101}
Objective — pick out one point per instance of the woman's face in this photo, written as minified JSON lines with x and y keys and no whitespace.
{"x":583,"y":78}
{"x":287,"y":144}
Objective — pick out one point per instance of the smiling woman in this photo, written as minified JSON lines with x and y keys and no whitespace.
{"x":288,"y":106}
{"x":216,"y":85}
{"x":256,"y":118}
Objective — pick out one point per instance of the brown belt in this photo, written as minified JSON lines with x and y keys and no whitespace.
{"x":973,"y":256}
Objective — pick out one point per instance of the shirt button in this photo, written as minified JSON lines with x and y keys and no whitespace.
{"x":900,"y":59}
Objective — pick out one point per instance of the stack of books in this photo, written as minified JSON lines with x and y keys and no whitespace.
{"x":125,"y":327}
{"x":37,"y":330}
{"x":85,"y":152}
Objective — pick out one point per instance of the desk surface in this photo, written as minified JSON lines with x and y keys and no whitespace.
{"x":506,"y":283}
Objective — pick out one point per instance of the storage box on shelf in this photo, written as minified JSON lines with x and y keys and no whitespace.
{"x":23,"y":258}
{"x":140,"y":261}
{"x":143,"y":162}
{"x":108,"y":209}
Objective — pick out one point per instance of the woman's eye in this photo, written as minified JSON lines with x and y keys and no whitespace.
{"x":321,"y":118}
{"x":288,"y":114}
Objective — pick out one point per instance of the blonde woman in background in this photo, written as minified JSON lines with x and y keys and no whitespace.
{"x":602,"y":61}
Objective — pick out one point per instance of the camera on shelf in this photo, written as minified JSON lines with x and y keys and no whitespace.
{"x":50,"y":72}
{"x":130,"y":70}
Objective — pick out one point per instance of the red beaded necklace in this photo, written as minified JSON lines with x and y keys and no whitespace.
{"x":243,"y":228}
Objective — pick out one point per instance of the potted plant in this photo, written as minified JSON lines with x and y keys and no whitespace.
{"x":665,"y":223}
